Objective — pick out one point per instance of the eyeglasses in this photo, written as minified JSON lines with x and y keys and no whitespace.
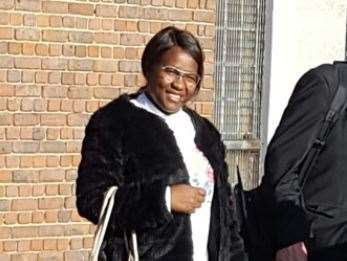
{"x":173,"y":74}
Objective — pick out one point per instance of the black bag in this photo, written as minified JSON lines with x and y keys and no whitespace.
{"x":254,"y":207}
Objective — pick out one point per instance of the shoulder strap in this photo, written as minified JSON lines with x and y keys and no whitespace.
{"x":337,"y":105}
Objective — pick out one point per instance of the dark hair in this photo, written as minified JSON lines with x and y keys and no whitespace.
{"x":165,"y":40}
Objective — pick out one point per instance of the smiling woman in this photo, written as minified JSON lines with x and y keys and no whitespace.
{"x":167,"y":161}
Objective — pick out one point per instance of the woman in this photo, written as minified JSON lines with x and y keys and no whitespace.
{"x":167,"y":161}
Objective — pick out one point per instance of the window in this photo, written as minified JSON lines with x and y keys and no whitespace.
{"x":238,"y":74}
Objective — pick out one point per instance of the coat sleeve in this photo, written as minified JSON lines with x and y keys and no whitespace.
{"x":138,"y":205}
{"x":299,"y":125}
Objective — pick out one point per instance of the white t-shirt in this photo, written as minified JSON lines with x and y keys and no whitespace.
{"x":199,"y":169}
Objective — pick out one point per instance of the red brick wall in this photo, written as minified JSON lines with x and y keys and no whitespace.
{"x":59,"y":62}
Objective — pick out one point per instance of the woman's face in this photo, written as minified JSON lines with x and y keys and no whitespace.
{"x":173,"y":82}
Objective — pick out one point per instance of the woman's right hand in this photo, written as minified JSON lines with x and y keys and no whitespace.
{"x":185,"y":198}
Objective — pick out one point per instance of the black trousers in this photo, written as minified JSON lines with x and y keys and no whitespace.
{"x":334,"y":253}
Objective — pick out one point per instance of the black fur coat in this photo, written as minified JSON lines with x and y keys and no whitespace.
{"x":134,"y":149}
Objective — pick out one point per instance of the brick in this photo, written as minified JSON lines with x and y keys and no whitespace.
{"x":71,"y":175}
{"x":76,"y":243}
{"x":25,"y":190}
{"x":53,"y":119}
{"x":56,"y":21}
{"x":11,"y":191}
{"x":54,"y":77}
{"x":53,"y":147}
{"x":12,"y":133}
{"x":68,"y":50}
{"x":132,"y":39}
{"x":130,"y":80}
{"x":55,"y":36}
{"x":79,"y":106}
{"x":11,"y":162}
{"x":14,"y":48}
{"x":28,"y":48}
{"x":68,"y":78}
{"x":66,"y":105}
{"x":78,"y":119}
{"x":28,"y":90}
{"x":4,"y":18}
{"x":106,"y":38}
{"x":143,"y":26}
{"x":55,"y":7}
{"x":92,"y":106}
{"x":25,"y":119}
{"x":13,"y":104}
{"x":41,"y":77}
{"x":107,"y":24}
{"x":63,"y":244}
{"x":42,"y":21}
{"x":36,"y":245}
{"x":130,"y":12}
{"x":6,"y":62}
{"x":55,"y":91}
{"x":81,"y":9}
{"x":26,"y":162}
{"x":27,"y":63}
{"x":3,"y":48}
{"x":27,"y":34}
{"x":80,"y":51}
{"x":105,"y":66}
{"x":93,"y":51}
{"x":13,"y":76}
{"x":49,"y":244}
{"x":24,"y":246}
{"x":24,"y":218}
{"x":129,"y":66}
{"x":94,"y":24}
{"x":24,"y":231}
{"x":81,"y":37}
{"x":120,"y":25}
{"x":41,"y":49}
{"x":106,"y":11}
{"x":24,"y":204}
{"x":6,"y":33}
{"x":156,"y":14}
{"x":52,"y":190}
{"x":26,"y":147}
{"x":27,"y":105}
{"x":70,"y":202}
{"x":10,"y":246}
{"x":55,"y":50}
{"x":16,"y":19}
{"x":5,"y":232}
{"x":52,"y":230}
{"x":80,"y":93}
{"x":38,"y":190}
{"x":51,"y":203}
{"x":10,"y":218}
{"x":39,"y":105}
{"x":52,"y":134}
{"x":180,"y":15}
{"x":29,"y":20}
{"x":106,"y":93}
{"x":69,"y":22}
{"x":81,"y":23}
{"x":80,"y":79}
{"x":38,"y":217}
{"x":6,"y":4}
{"x":53,"y":105}
{"x":80,"y":65}
{"x":105,"y":79}
{"x":92,"y":79}
{"x":6,"y":90}
{"x":54,"y":64}
{"x":25,"y":176}
{"x":28,"y":5}
{"x":5,"y":119}
{"x":5,"y":176}
{"x":203,"y":16}
{"x":106,"y":52}
{"x":118,"y":53}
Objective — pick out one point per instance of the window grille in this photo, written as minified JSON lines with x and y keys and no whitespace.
{"x":238,"y":79}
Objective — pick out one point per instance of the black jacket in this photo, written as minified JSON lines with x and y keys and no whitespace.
{"x":325,"y":190}
{"x":134,"y":149}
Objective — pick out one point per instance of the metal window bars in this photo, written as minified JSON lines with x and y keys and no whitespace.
{"x":238,"y":79}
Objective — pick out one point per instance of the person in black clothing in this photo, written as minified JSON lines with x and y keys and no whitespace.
{"x":320,"y":232}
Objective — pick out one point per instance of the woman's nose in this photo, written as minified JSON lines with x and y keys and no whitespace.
{"x":178,"y":83}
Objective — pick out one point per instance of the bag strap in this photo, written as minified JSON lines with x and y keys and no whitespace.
{"x":104,"y":218}
{"x":337,"y":105}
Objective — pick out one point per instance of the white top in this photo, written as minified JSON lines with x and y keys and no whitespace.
{"x":199,"y":169}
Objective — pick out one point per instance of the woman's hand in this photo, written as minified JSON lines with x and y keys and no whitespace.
{"x":296,"y":252}
{"x":185,"y":198}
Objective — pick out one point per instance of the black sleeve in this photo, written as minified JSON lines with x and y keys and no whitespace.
{"x":138,"y":205}
{"x":299,"y":125}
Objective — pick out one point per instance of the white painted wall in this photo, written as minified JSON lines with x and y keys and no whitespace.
{"x":305,"y":33}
